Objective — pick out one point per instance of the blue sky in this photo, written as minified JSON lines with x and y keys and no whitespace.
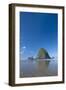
{"x":38,"y":30}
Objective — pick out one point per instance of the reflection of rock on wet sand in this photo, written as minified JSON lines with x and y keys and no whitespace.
{"x":42,"y":67}
{"x":47,"y":63}
{"x":37,"y":68}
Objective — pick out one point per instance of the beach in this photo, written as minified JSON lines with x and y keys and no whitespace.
{"x":38,"y":68}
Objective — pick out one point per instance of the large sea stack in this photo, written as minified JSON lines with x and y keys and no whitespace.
{"x":43,"y":54}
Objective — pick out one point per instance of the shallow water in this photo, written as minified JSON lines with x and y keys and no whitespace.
{"x":37,"y":68}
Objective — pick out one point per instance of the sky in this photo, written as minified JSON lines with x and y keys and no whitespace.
{"x":38,"y":30}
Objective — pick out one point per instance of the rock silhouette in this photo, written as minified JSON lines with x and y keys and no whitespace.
{"x":43,"y":54}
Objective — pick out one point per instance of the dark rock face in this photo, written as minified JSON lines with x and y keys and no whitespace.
{"x":30,"y":58}
{"x":43,"y":54}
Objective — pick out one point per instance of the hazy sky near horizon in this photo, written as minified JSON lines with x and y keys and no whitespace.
{"x":38,"y":30}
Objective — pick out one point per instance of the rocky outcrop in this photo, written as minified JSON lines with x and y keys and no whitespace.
{"x":43,"y":54}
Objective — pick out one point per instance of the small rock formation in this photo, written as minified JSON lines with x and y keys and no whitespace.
{"x":43,"y":54}
{"x":30,"y":58}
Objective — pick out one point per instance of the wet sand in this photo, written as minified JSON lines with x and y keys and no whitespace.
{"x":38,"y":68}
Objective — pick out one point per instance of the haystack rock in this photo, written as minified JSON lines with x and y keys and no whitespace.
{"x":43,"y":54}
